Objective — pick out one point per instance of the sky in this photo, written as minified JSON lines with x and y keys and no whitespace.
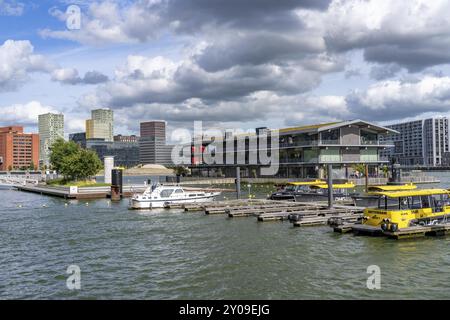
{"x":232,"y":64}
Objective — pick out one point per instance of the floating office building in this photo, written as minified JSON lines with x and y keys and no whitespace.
{"x":301,"y":152}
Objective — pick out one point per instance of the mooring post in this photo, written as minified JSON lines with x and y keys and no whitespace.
{"x":238,"y":182}
{"x":330,"y":186}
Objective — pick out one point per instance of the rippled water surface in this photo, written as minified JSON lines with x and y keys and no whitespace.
{"x":176,"y":255}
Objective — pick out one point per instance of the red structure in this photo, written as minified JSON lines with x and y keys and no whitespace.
{"x":18,"y":150}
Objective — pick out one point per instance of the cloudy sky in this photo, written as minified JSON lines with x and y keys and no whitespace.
{"x":230,"y":63}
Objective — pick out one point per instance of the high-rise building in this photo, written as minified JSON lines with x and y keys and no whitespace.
{"x":18,"y":150}
{"x":421,"y":142}
{"x":152,"y":144}
{"x":129,"y":139}
{"x":51,"y":127}
{"x":126,"y":154}
{"x":101,"y":125}
{"x":155,"y":128}
{"x":79,"y":138}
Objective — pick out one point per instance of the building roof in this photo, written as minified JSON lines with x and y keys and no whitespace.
{"x":335,"y":125}
{"x":317,"y":128}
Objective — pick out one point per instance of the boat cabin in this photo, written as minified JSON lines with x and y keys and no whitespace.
{"x":339,"y":188}
{"x":303,"y":186}
{"x":403,"y":208}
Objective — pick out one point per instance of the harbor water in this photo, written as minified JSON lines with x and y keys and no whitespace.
{"x":163,"y":254}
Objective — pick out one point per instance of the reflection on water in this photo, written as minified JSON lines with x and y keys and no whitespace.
{"x":164,"y":254}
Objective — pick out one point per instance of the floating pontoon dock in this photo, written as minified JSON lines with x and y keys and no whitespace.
{"x":299,"y":213}
{"x":441,"y":229}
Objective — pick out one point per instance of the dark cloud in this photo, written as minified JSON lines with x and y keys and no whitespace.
{"x":189,"y":81}
{"x":193,"y":15}
{"x":414,"y":58}
{"x":257,"y":48}
{"x":94,"y":77}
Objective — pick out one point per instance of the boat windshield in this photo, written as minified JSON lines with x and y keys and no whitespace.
{"x":436,"y":202}
{"x":166,"y":193}
{"x":289,"y":188}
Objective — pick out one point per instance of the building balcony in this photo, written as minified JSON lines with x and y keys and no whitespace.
{"x":319,"y":143}
{"x":376,"y":142}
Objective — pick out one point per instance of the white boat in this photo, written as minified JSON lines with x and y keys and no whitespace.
{"x":158,"y":196}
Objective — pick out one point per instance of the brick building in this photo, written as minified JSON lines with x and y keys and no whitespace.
{"x":18,"y":150}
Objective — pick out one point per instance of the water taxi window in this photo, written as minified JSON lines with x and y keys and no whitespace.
{"x":166,"y":193}
{"x":289,"y":188}
{"x":178,"y":191}
{"x":386,"y":203}
{"x":438,"y":201}
{"x":425,"y":202}
{"x":415,"y":202}
{"x":302,"y":189}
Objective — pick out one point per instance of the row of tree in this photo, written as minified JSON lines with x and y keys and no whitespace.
{"x":74,"y":162}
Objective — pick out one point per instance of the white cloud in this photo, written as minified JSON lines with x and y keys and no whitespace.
{"x":395,"y":99}
{"x":66,"y":75}
{"x":23,"y":114}
{"x":108,"y":22}
{"x":414,"y":34}
{"x":71,"y":76}
{"x":17,"y":61}
{"x":11,"y":8}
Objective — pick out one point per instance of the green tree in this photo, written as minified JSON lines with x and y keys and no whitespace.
{"x":88,"y":163}
{"x":73,"y":162}
{"x":59,"y":152}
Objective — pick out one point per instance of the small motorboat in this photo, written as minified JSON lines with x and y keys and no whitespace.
{"x":158,"y":196}
{"x":292,"y":189}
{"x":314,"y":191}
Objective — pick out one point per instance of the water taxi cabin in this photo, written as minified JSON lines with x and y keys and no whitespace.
{"x":401,"y":209}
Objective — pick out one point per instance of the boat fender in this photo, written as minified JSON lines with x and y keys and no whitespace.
{"x":394,"y":227}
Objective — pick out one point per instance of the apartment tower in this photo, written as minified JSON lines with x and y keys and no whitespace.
{"x":51,"y":128}
{"x":101,"y":125}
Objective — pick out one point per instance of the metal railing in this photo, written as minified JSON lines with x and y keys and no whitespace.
{"x":376,"y":142}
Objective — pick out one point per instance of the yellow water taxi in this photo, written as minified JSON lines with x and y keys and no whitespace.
{"x":313,"y":191}
{"x":401,"y":209}
{"x":371,"y":198}
{"x":393,"y":187}
{"x":306,"y":183}
{"x":336,"y":186}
